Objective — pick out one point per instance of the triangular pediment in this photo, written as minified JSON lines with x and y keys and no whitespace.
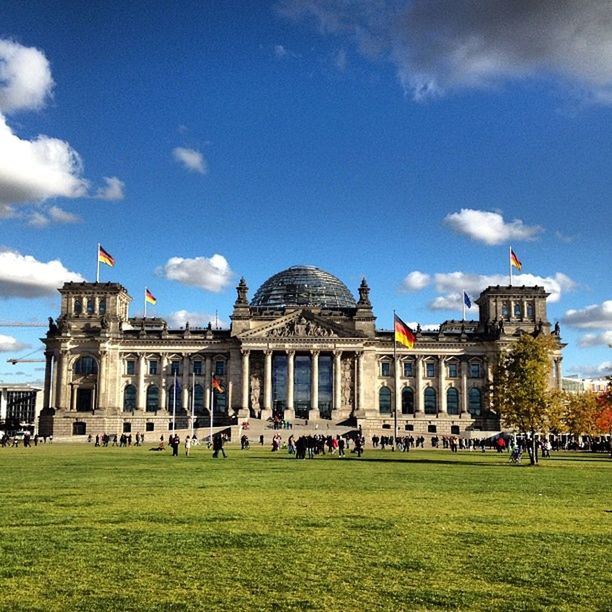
{"x":299,"y":324}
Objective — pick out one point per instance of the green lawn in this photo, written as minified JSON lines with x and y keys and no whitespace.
{"x":127,"y":529}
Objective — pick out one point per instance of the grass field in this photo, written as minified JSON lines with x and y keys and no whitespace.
{"x":125,"y":529}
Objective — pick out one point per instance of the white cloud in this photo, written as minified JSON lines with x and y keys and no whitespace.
{"x":452,"y":285}
{"x":279,"y":51}
{"x":112,"y":190}
{"x":24,"y":276}
{"x":195,"y":319}
{"x":59,"y":215}
{"x":438,"y":46}
{"x":212,"y":274}
{"x":34,"y":170}
{"x":595,"y":316}
{"x":25,"y":77}
{"x":489,"y":227}
{"x":191,"y":159}
{"x":602,"y":370}
{"x":415,"y":281}
{"x":602,"y":339}
{"x":8,"y":344}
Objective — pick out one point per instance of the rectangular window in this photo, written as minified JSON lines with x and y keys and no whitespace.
{"x":430,"y":369}
{"x":409,"y":427}
{"x":408,"y":368}
{"x":452,"y":370}
{"x":219,"y":367}
{"x":385,"y":368}
{"x":474,"y":370}
{"x":175,"y":367}
{"x":153,"y":367}
{"x":130,"y":367}
{"x":127,"y":427}
{"x":149,"y":426}
{"x":432,"y":428}
{"x":197,"y":368}
{"x":455,"y":430}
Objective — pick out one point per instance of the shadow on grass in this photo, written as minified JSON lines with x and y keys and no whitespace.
{"x":405,"y":460}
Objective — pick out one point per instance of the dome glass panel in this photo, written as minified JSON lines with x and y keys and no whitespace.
{"x":303,"y":286}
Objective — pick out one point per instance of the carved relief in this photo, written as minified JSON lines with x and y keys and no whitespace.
{"x":347,"y":388}
{"x":301,"y":327}
{"x":256,"y":381}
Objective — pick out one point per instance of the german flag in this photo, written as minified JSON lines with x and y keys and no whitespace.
{"x":515,"y":261}
{"x":149,"y":297}
{"x":216,"y":385}
{"x":105,"y":257}
{"x":403,"y":334}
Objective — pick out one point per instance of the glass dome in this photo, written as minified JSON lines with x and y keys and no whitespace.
{"x":303,"y":286}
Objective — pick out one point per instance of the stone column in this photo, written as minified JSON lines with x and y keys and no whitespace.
{"x":360,"y":382}
{"x":49,"y":370}
{"x":464,"y":387}
{"x":442,"y":385}
{"x":397,"y":390}
{"x":290,"y":409}
{"x":185,"y":384}
{"x":207,"y":382}
{"x":141,"y":394}
{"x":162,"y":386}
{"x":338,"y":380}
{"x":418,"y":395}
{"x":63,"y":399}
{"x":100,"y":401}
{"x":266,"y":413}
{"x":314,"y":385}
{"x":244,"y":405}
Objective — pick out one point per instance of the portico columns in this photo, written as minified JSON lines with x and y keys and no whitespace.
{"x":290,"y":410}
{"x":141,"y":395}
{"x":266,"y":413}
{"x":244,"y":406}
{"x":442,"y":385}
{"x":185,"y":384}
{"x":207,"y":382}
{"x":314,"y":385}
{"x":337,"y":380}
{"x":464,"y":387}
{"x":360,"y":383}
{"x":163,"y":390}
{"x":418,"y":403}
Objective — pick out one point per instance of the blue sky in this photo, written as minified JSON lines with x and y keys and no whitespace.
{"x":408,"y":142}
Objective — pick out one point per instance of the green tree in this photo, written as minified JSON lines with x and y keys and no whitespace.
{"x":580,"y":413}
{"x":521,"y":391}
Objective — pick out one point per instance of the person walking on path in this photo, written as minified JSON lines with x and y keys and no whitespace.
{"x":187,"y":446}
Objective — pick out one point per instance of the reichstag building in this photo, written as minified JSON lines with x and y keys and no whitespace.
{"x":302,"y":348}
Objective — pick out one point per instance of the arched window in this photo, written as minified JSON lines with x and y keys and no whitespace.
{"x":152,"y":398}
{"x":129,"y":398}
{"x":90,"y":306}
{"x":475,"y":402}
{"x":198,"y":399}
{"x":170,"y":396}
{"x":452,"y":401}
{"x":78,"y":306}
{"x":431,"y":405}
{"x":384,"y":400}
{"x":102,"y":306}
{"x":407,"y":401}
{"x":86,"y":365}
{"x":220,"y":402}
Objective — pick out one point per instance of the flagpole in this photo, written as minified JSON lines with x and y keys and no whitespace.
{"x":394,"y":386}
{"x":174,"y":407}
{"x":98,"y":264}
{"x":212,"y":404}
{"x":145,"y":303}
{"x":510,"y":263}
{"x":192,"y":403}
{"x":463,"y":303}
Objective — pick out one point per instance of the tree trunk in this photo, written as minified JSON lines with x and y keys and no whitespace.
{"x":533,"y":456}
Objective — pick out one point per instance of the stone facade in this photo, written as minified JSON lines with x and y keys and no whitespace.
{"x":305,"y":358}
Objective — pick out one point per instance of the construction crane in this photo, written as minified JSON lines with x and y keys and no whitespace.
{"x":22,"y":324}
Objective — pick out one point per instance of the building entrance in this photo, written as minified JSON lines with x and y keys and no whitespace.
{"x":84,"y":400}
